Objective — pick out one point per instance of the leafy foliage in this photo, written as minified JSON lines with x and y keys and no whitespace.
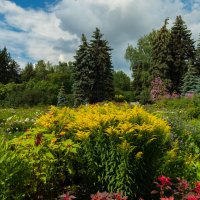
{"x":14,"y":174}
{"x":140,"y":59}
{"x":168,"y":188}
{"x":119,"y":145}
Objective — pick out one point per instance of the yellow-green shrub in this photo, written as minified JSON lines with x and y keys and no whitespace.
{"x":121,"y":148}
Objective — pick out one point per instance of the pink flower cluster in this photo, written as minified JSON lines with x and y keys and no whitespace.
{"x":158,"y":89}
{"x":108,"y":196}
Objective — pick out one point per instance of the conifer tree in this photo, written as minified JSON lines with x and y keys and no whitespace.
{"x":83,"y":74}
{"x":62,"y":101}
{"x":9,"y":69}
{"x":191,"y":80}
{"x":182,"y":49}
{"x":160,"y":54}
{"x":103,"y":88}
{"x":197,"y":55}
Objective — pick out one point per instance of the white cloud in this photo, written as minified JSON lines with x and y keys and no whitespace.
{"x":32,"y":32}
{"x":54,"y":34}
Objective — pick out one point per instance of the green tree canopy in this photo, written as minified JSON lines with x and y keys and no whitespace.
{"x":28,"y":72}
{"x":121,"y":81}
{"x":140,"y":58}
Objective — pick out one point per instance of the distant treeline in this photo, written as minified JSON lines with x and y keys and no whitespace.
{"x":165,"y":62}
{"x":40,"y":84}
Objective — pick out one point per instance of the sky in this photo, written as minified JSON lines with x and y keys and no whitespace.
{"x":51,"y":29}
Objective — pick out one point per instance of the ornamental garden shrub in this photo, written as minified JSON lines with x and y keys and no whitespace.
{"x":14,"y":174}
{"x":170,"y":189}
{"x":94,"y":148}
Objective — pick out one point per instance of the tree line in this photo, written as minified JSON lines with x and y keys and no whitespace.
{"x":167,"y":57}
{"x":89,"y":79}
{"x":165,"y":62}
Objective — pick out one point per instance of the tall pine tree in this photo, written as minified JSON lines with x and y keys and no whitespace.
{"x":160,"y":54}
{"x":83,"y":74}
{"x":197,"y":64}
{"x":103,"y":88}
{"x":181,"y":47}
{"x":9,"y":69}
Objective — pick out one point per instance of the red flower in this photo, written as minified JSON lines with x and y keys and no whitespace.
{"x":197,"y":188}
{"x":166,"y":198}
{"x":192,"y":197}
{"x":164,"y":180}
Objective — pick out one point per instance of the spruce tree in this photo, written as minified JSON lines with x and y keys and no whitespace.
{"x":182,"y":49}
{"x":103,"y":88}
{"x":160,"y":54}
{"x":83,"y":74}
{"x":9,"y":69}
{"x":197,"y":55}
{"x":190,"y":80}
{"x":62,"y":101}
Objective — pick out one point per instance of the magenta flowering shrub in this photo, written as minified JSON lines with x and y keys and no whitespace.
{"x":179,"y":189}
{"x":98,"y":196}
{"x":189,"y":95}
{"x":67,"y":196}
{"x":108,"y":196}
{"x":158,"y":89}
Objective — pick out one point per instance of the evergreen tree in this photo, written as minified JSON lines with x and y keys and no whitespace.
{"x":197,"y":55}
{"x":160,"y":54}
{"x":83,"y":74}
{"x":103,"y":88}
{"x":191,"y":80}
{"x":182,"y":49}
{"x":62,"y":101}
{"x":9,"y":69}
